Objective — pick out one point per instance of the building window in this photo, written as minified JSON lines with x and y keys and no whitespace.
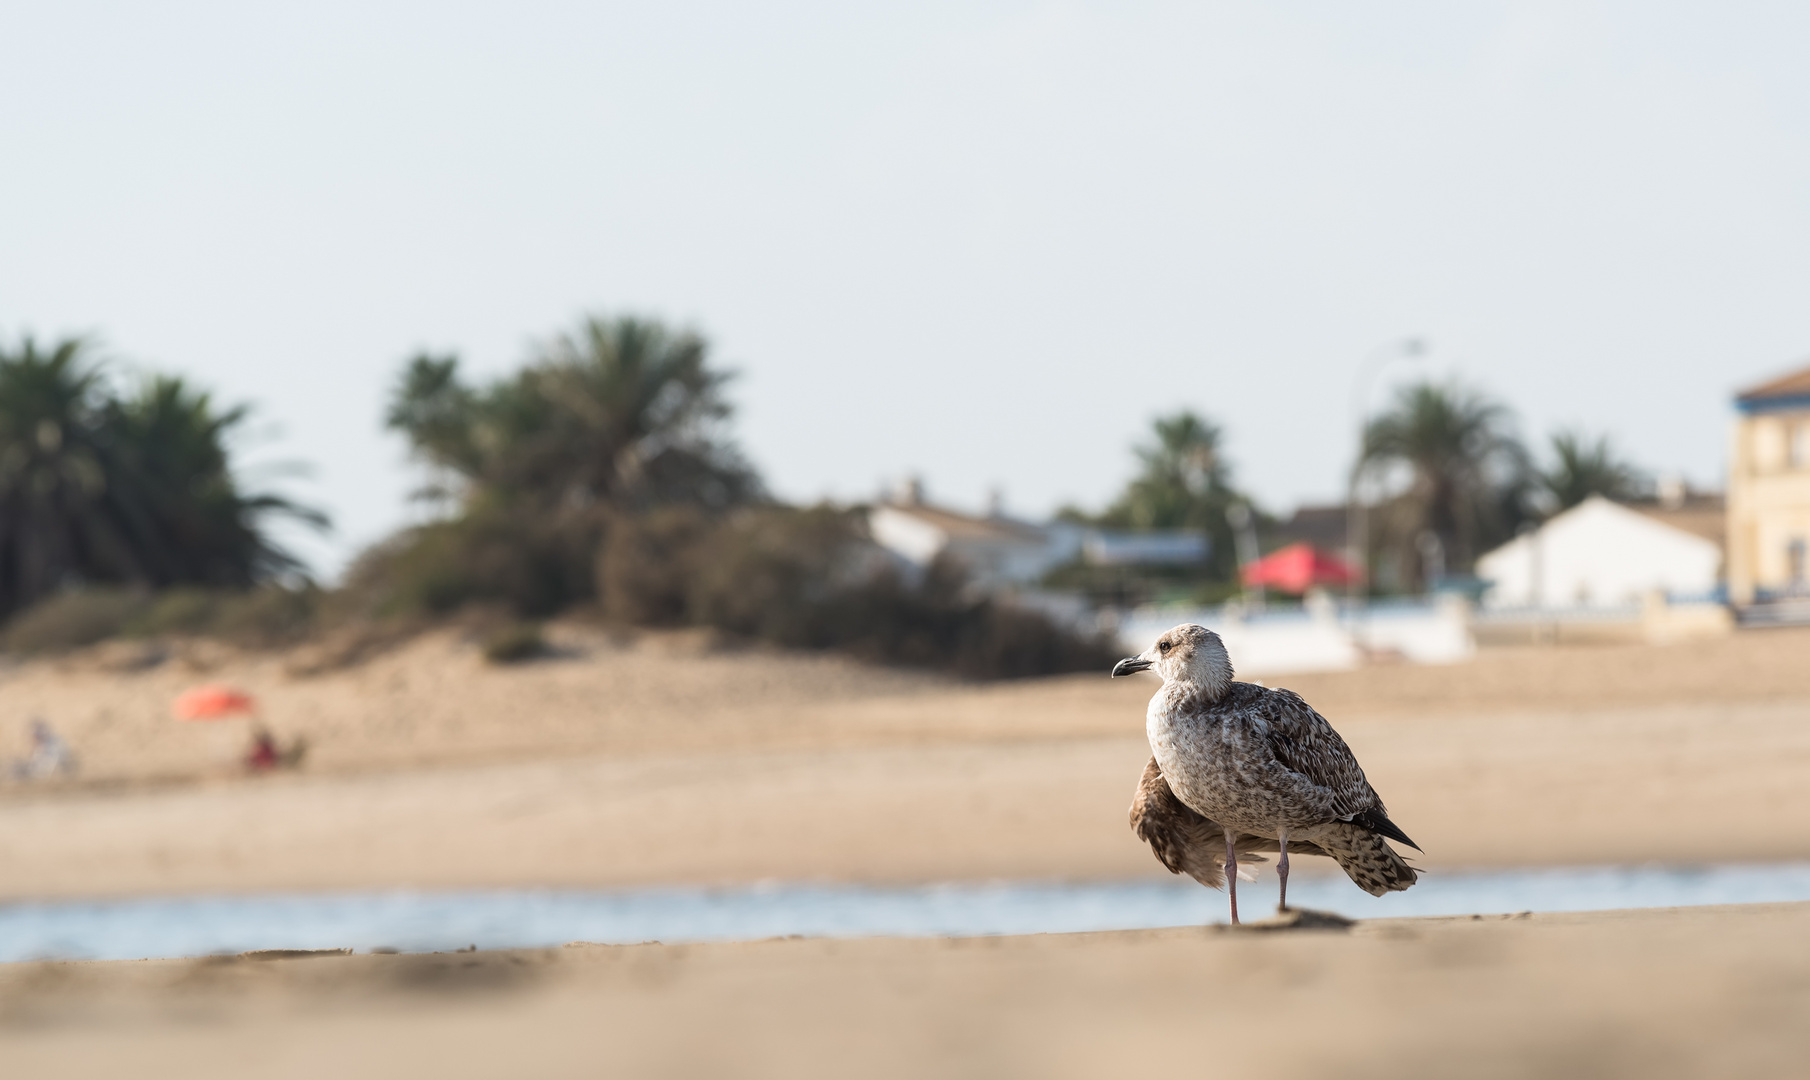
{"x":1797,"y":445}
{"x":1795,"y":570}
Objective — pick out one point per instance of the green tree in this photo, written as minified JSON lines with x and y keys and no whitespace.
{"x":616,"y":418}
{"x":1183,"y":482}
{"x":176,"y":496}
{"x":1582,"y":467}
{"x":54,"y":524}
{"x":624,"y":412}
{"x":135,"y":491}
{"x":1465,"y":474}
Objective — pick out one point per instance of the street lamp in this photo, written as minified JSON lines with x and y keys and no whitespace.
{"x":1357,"y":525}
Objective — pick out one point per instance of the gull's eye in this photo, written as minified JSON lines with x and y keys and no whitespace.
{"x":1163,"y":646}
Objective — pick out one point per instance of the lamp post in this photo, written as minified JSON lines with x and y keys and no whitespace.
{"x":1357,"y":525}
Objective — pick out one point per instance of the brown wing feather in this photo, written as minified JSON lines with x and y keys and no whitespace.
{"x":1184,"y":840}
{"x":1303,"y":741}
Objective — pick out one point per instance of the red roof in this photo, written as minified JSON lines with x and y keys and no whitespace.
{"x":1793,"y":385}
{"x":1297,"y":568}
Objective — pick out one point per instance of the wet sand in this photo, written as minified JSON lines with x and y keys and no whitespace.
{"x":1651,"y":994}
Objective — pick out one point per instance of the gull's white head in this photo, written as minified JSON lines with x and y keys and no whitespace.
{"x":1189,"y":654}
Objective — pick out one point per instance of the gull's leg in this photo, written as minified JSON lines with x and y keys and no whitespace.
{"x":1282,"y":869}
{"x":1232,"y":872}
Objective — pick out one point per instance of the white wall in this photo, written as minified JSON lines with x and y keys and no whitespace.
{"x":910,"y":536}
{"x":1598,"y":554}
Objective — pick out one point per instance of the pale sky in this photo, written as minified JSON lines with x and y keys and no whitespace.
{"x":984,"y":242}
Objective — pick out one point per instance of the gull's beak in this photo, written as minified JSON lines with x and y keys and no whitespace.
{"x":1131,"y":665}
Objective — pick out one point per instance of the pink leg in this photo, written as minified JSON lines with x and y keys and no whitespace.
{"x":1282,"y":871}
{"x":1232,"y":872}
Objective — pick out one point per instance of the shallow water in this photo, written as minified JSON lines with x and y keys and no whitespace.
{"x":426,"y":921}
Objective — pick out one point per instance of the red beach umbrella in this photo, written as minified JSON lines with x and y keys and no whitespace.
{"x":1297,"y":568}
{"x":212,"y":701}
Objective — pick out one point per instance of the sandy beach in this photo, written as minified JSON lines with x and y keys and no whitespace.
{"x":668,"y":759}
{"x":662,"y":759}
{"x":1650,"y":994}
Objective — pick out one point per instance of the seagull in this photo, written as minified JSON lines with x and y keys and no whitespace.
{"x":1238,"y":768}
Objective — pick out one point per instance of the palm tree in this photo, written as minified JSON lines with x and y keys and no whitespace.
{"x":1582,"y":468}
{"x":54,"y":525}
{"x":625,"y":413}
{"x":1184,"y":482}
{"x":137,"y":491}
{"x":617,"y":417}
{"x":175,"y":495}
{"x":1464,"y":470}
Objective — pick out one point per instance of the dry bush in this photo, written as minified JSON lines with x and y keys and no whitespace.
{"x":533,"y":564}
{"x":648,"y":563}
{"x":810,"y":579}
{"x":780,"y":574}
{"x":71,"y":619}
{"x":265,"y":617}
{"x":514,"y":643}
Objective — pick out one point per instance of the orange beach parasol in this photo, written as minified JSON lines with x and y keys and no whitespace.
{"x":212,"y":701}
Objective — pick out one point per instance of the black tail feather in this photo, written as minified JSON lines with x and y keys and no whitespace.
{"x":1378,"y":822}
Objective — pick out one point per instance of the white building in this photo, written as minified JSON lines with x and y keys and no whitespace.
{"x":1000,"y":551}
{"x":1599,"y":554}
{"x":995,"y":550}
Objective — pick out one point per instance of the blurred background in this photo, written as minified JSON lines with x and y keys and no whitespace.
{"x":471,"y":451}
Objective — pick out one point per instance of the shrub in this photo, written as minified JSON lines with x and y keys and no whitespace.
{"x":262,"y":617}
{"x":515,"y":643}
{"x":810,"y":579}
{"x":534,"y":564}
{"x":648,"y":563}
{"x":780,"y":574}
{"x":266,"y":617}
{"x":74,"y":618}
{"x":177,"y":611}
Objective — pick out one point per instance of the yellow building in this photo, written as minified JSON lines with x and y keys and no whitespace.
{"x":1769,"y":492}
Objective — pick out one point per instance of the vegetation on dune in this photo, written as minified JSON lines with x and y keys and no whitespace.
{"x":620,"y":418}
{"x":623,"y":413}
{"x":100,"y":488}
{"x":602,"y":474}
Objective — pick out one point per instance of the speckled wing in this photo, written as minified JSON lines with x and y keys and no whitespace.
{"x":1305,"y":743}
{"x":1186,"y":841}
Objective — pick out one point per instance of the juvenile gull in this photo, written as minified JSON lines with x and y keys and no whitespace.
{"x":1238,"y":769}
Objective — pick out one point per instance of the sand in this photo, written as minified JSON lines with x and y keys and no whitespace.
{"x":662,"y":760}
{"x":667,"y":759}
{"x":435,"y":702}
{"x":1652,"y":994}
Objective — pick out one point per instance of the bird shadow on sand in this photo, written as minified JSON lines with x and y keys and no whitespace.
{"x":1295,"y":919}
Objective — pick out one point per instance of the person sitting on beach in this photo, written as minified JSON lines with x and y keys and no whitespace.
{"x":50,"y":755}
{"x":263,"y":755}
{"x":266,"y":755}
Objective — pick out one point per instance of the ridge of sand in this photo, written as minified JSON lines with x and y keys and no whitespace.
{"x":1682,"y":784}
{"x":434,"y":701}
